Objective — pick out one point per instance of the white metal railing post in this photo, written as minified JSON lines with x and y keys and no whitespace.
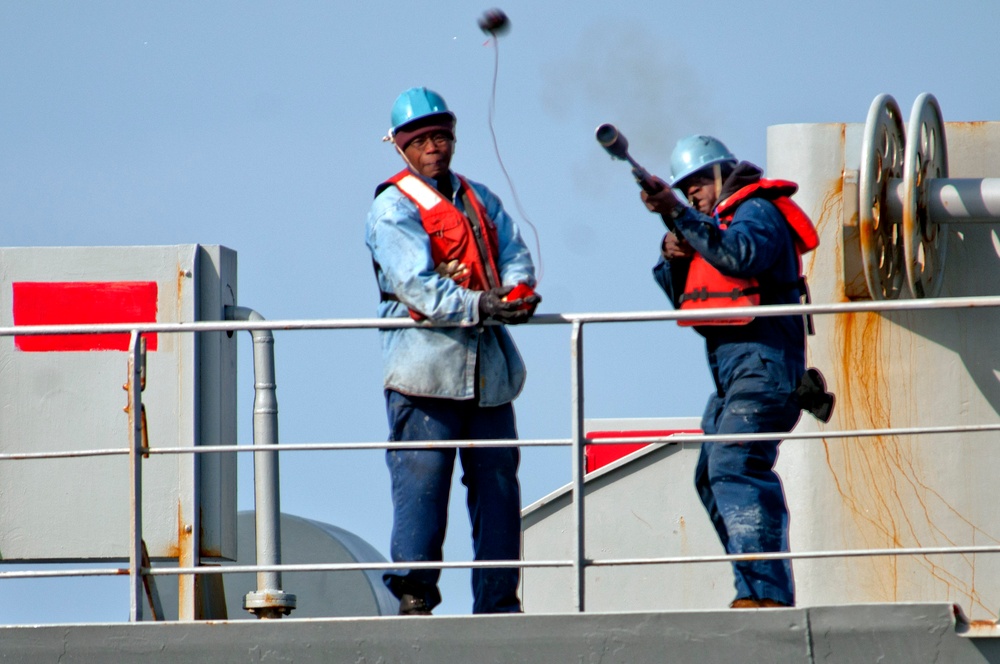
{"x":579,"y":466}
{"x":134,"y":388}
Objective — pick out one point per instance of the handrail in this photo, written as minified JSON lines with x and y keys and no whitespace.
{"x":482,"y":564}
{"x":539,"y":319}
{"x":577,"y":440}
{"x":671,"y":439}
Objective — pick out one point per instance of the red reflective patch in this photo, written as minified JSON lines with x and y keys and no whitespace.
{"x":82,"y":302}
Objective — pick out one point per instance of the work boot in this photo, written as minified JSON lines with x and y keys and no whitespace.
{"x":751,"y":603}
{"x":745,"y":603}
{"x":410,"y":605}
{"x":768,"y":603}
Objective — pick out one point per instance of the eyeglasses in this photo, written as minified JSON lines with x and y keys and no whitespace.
{"x":438,"y":138}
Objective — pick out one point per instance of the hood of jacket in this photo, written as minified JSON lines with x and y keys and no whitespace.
{"x":743,"y":174}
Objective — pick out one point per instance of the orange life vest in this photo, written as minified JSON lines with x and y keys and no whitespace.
{"x":469,"y":238}
{"x":707,"y":288}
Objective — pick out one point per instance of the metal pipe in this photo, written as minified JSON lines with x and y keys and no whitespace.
{"x":952,"y":200}
{"x":135,"y":476}
{"x":801,"y":555}
{"x":579,"y":466}
{"x":375,"y":565}
{"x":269,"y":600}
{"x":925,"y":304}
{"x":673,"y":438}
{"x":599,"y":562}
{"x":300,"y":567}
{"x":64,"y":573}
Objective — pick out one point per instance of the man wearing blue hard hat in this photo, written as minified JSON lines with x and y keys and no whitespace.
{"x":738,"y":243}
{"x":446,"y":252}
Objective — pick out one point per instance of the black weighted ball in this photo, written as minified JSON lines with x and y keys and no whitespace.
{"x":494,"y":22}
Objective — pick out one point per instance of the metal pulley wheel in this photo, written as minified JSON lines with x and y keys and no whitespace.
{"x":924,"y":241}
{"x":882,"y":159}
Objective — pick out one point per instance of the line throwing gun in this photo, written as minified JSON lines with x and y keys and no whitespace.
{"x":616,"y":145}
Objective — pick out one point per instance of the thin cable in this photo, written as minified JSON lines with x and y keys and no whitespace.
{"x":496,"y":150}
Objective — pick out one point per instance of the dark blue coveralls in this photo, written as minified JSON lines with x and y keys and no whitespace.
{"x":756,"y":369}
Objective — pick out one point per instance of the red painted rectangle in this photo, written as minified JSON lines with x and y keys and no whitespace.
{"x":82,"y":302}
{"x":598,"y":456}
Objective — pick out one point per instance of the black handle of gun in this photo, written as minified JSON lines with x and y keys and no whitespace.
{"x":646,"y":181}
{"x":651,"y":186}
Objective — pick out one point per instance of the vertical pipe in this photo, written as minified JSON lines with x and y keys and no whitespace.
{"x":267,"y":497}
{"x":134,"y":388}
{"x":579,"y":468}
{"x":269,"y":601}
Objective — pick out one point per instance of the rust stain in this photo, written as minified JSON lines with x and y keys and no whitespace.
{"x":880,"y":483}
{"x":180,"y":280}
{"x":829,"y":210}
{"x":982,"y":623}
{"x":176,"y":549}
{"x":184,"y":536}
{"x":829,"y":214}
{"x":186,"y":557}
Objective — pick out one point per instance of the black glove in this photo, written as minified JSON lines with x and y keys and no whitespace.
{"x":492,"y":305}
{"x":813,"y":396}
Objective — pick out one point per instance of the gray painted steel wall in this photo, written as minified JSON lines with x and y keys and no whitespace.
{"x":73,"y":509}
{"x":643,"y":505}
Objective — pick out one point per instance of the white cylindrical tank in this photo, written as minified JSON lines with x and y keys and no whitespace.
{"x":324,"y":594}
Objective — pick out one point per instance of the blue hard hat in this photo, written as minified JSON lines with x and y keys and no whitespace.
{"x":417,"y":103}
{"x":693,"y":153}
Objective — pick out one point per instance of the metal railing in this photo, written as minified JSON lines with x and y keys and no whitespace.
{"x":135,"y":451}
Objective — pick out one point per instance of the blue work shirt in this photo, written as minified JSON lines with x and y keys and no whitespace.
{"x":441,"y":362}
{"x":757,"y":243}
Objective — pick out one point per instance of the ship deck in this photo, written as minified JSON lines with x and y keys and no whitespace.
{"x":885,"y":633}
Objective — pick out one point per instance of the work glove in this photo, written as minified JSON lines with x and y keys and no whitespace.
{"x":674,"y":247}
{"x":662,"y":201}
{"x":813,"y":397}
{"x":494,"y":304}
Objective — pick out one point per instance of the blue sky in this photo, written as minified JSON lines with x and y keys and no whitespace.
{"x":257,"y":125}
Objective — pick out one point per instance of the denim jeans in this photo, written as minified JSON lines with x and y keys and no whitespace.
{"x":736,"y":481}
{"x":421,"y":483}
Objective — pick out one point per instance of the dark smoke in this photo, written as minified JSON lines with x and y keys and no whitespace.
{"x":641,"y":83}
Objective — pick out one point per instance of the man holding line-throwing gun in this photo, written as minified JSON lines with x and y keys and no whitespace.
{"x":737,"y":242}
